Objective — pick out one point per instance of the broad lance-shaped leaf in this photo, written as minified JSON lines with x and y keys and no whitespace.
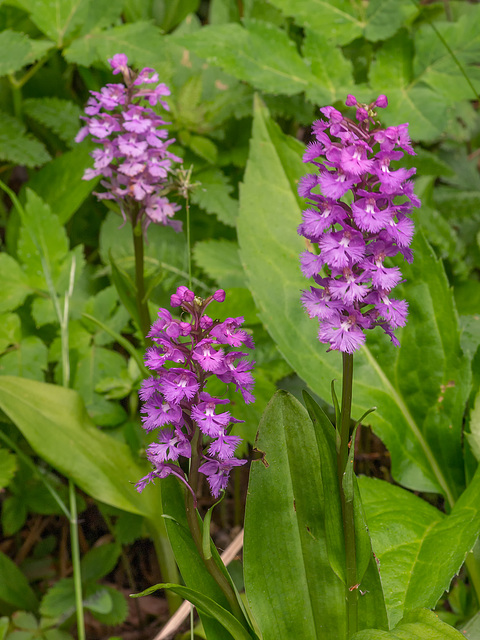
{"x":259,"y":53}
{"x":419,"y":624}
{"x":191,"y":565}
{"x":207,"y":606}
{"x":290,"y":585}
{"x":55,"y":423}
{"x":420,"y":389}
{"x":418,"y":547}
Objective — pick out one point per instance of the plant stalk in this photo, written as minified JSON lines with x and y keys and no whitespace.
{"x":351,"y":587}
{"x":142,"y":304}
{"x":77,"y":576}
{"x":194,"y":526}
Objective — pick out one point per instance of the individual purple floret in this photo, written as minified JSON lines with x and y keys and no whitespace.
{"x":356,"y":233}
{"x":193,"y":423}
{"x":133,"y":156}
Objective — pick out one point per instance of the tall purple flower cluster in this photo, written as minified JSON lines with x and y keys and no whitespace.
{"x":133,"y":155}
{"x":357,"y":216}
{"x":184,"y":356}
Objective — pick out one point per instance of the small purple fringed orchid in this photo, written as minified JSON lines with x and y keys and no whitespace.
{"x":184,"y":356}
{"x":356,"y":234}
{"x":132,"y":156}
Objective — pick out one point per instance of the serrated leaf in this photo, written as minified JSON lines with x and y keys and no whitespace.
{"x":8,"y":466}
{"x":220,"y":260}
{"x":330,"y":67}
{"x":28,"y":359}
{"x":18,"y":147}
{"x":142,"y":42}
{"x":61,"y":116}
{"x":419,"y":549}
{"x":420,"y":624}
{"x":42,"y":233}
{"x":213,"y":195}
{"x":10,"y":330}
{"x":18,"y":50}
{"x":15,"y":286}
{"x":56,"y":18}
{"x":99,"y":561}
{"x":14,"y":514}
{"x":118,"y":610}
{"x":59,"y":183}
{"x":391,"y":73}
{"x":14,"y":587}
{"x":340,"y":20}
{"x":435,"y":65}
{"x":385,"y":17}
{"x":258,"y":53}
{"x":59,"y":600}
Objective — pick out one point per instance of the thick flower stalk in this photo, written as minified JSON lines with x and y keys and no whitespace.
{"x":132,"y":156}
{"x":192,"y":425}
{"x":357,"y":216}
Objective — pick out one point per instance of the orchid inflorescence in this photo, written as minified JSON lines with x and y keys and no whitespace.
{"x":355,"y":235}
{"x":185,"y":354}
{"x":133,"y":156}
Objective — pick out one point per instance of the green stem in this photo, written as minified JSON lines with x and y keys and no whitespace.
{"x":351,"y":590}
{"x":193,"y":523}
{"x":77,"y":576}
{"x":142,"y":304}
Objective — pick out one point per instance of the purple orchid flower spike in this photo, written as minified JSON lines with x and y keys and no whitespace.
{"x":355,"y":235}
{"x":133,"y":157}
{"x":193,"y":423}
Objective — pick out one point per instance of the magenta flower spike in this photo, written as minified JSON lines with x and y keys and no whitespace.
{"x":354,"y":235}
{"x":133,"y":157}
{"x":192,"y":423}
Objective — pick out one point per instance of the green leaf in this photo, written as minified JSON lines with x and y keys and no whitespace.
{"x":8,"y":466}
{"x":55,"y":423}
{"x":385,"y":17}
{"x":4,"y":624}
{"x":416,"y":625}
{"x":95,"y":365}
{"x":260,"y":54}
{"x":61,"y":116}
{"x":27,"y":359}
{"x":332,"y":70}
{"x":14,"y":587}
{"x":474,"y":435}
{"x":434,"y":63}
{"x":57,"y":19}
{"x":220,"y":260}
{"x":170,"y":13}
{"x":213,"y":195}
{"x":19,"y":147}
{"x":99,"y":561}
{"x":285,"y":553}
{"x":14,"y":514}
{"x":421,"y":389}
{"x":190,"y":563}
{"x":391,"y":73}
{"x":340,"y":20}
{"x":10,"y":330}
{"x":42,"y":231}
{"x":99,"y":601}
{"x":418,"y":547}
{"x":15,"y":287}
{"x":59,"y":600}
{"x":18,"y":50}
{"x":59,"y":183}
{"x":118,"y":609}
{"x":471,"y":630}
{"x":142,"y":42}
{"x":205,"y":605}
